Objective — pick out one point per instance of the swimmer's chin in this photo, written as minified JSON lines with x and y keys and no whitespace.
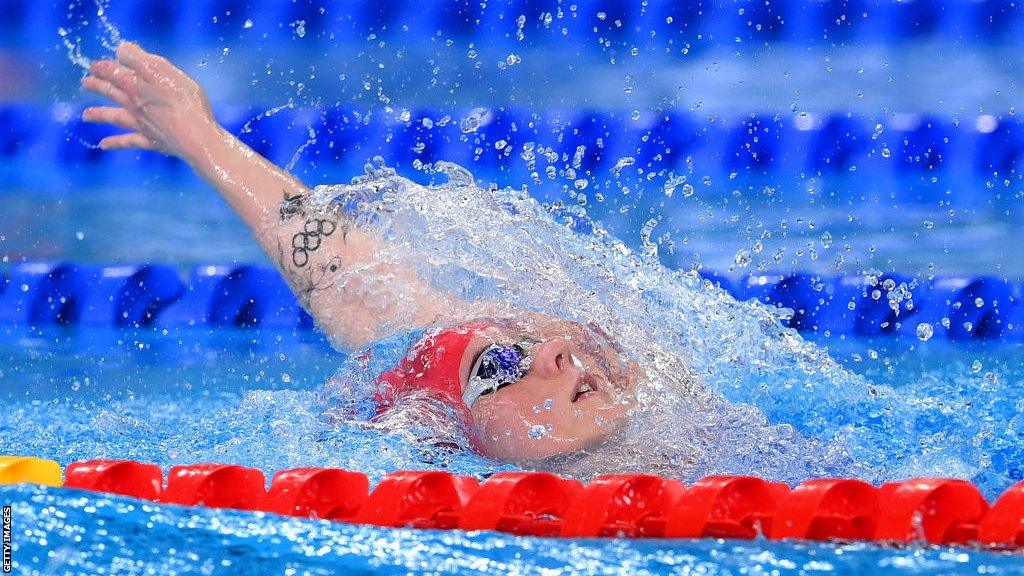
{"x":532,"y":453}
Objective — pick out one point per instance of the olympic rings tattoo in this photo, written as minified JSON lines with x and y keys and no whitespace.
{"x":310,"y":239}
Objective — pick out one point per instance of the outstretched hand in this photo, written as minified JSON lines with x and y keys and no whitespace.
{"x":163,"y":108}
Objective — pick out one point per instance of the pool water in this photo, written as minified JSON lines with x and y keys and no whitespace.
{"x":251,"y":398}
{"x":773,"y":220}
{"x":196,"y":541}
{"x":254,"y":395}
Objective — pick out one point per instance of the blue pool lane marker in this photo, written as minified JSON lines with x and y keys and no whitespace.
{"x":700,"y":24}
{"x":38,"y":294}
{"x":903,"y":151}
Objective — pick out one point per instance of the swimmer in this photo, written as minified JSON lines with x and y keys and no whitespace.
{"x":493,"y":368}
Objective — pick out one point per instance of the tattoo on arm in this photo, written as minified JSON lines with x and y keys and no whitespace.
{"x":292,"y":206}
{"x":303,"y":273}
{"x":309,"y":239}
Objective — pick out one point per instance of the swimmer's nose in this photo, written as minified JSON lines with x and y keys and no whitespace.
{"x":553,"y":358}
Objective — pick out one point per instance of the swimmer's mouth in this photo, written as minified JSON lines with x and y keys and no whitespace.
{"x":586,"y":387}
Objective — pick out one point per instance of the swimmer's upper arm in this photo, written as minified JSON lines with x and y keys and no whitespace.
{"x":333,"y":268}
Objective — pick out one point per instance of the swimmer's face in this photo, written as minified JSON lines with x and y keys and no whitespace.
{"x":549,"y":411}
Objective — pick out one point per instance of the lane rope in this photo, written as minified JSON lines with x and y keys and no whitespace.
{"x":940,"y":511}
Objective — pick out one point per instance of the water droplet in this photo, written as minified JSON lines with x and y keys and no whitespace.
{"x":924,"y":331}
{"x":472,"y":122}
{"x":672,"y":183}
{"x":742,"y":258}
{"x":457,"y":175}
{"x":622,"y":163}
{"x":538,"y":431}
{"x":976,"y":366}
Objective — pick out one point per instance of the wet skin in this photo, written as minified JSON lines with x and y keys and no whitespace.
{"x":550,"y":410}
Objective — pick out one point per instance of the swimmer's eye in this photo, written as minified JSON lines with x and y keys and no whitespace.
{"x":502,"y":365}
{"x":495,"y":367}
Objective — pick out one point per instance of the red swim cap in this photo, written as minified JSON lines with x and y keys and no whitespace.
{"x":431,"y":366}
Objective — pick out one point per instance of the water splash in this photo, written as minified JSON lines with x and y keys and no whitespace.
{"x":79,"y":28}
{"x":699,"y":346}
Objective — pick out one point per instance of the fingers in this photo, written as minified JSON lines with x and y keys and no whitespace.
{"x":132,"y":56}
{"x":105,"y":88}
{"x":149,"y":67}
{"x":127,"y":141}
{"x":120,"y":76}
{"x":111,"y":115}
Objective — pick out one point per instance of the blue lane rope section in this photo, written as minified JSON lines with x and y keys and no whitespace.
{"x":152,"y":295}
{"x":493,"y":142}
{"x":681,"y":24}
{"x":36,"y":294}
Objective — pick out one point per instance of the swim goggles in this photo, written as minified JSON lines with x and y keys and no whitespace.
{"x":496,"y":367}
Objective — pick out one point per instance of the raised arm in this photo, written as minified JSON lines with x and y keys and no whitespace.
{"x":329,"y":263}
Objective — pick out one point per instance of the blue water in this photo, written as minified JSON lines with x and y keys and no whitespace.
{"x":100,"y":224}
{"x":175,"y":540}
{"x":251,"y":398}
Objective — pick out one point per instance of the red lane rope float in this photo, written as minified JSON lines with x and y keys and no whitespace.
{"x":939,"y":511}
{"x":522,"y":503}
{"x":623,"y":505}
{"x":417,"y":499}
{"x":324,"y":493}
{"x":1004,"y":523}
{"x":123,"y":477}
{"x":738,"y":507}
{"x":215,"y":486}
{"x":827,"y":509}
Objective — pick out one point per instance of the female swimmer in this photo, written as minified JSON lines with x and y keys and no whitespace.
{"x":490,"y":363}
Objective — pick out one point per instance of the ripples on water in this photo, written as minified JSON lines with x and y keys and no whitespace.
{"x":178,"y":540}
